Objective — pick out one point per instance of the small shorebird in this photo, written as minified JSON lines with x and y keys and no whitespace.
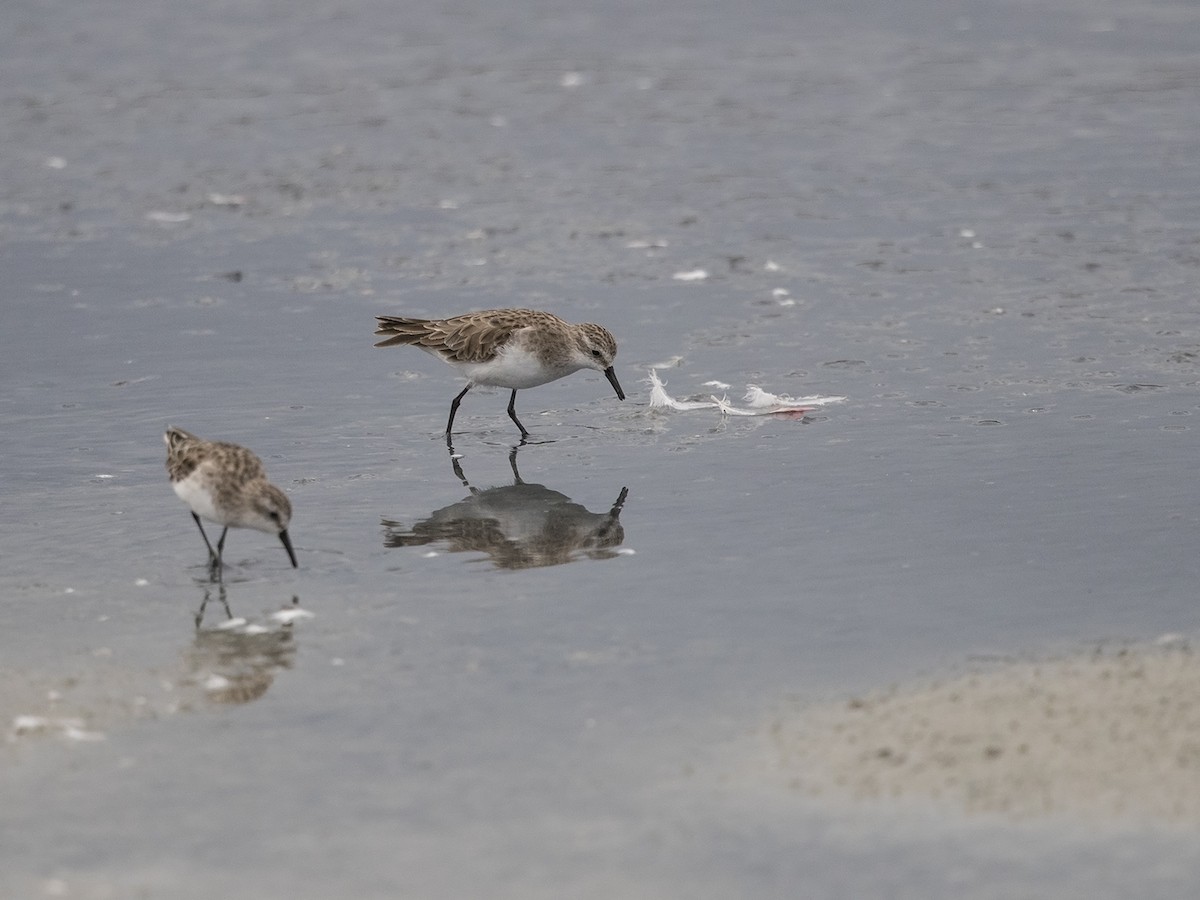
{"x":225,"y":483}
{"x":510,"y":348}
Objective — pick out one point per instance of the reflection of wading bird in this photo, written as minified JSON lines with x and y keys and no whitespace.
{"x":237,"y":665}
{"x":510,"y":348}
{"x":519,"y":526}
{"x":225,"y":483}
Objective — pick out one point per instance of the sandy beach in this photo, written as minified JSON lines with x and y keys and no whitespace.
{"x":1111,"y":733}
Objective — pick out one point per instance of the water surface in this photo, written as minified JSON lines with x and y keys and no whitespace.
{"x":979,"y":226}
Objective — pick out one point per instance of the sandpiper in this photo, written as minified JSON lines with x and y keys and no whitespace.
{"x":225,"y":483}
{"x":510,"y":348}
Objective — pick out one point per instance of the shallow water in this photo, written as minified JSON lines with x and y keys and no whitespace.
{"x":979,"y":227}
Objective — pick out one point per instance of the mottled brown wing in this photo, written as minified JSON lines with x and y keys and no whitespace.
{"x":243,"y":464}
{"x":185,"y":452}
{"x":474,"y":337}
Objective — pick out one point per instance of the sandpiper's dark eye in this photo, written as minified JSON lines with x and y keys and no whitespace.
{"x":597,"y":354}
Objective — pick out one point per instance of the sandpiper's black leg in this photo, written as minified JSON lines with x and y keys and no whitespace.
{"x":212,"y":554}
{"x":454,"y":408}
{"x":512,"y":413}
{"x":216,"y":563}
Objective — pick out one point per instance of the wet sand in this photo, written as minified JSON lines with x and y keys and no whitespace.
{"x":1106,"y":734}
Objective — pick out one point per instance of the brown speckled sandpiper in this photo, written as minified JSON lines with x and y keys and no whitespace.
{"x":509,"y":348}
{"x":225,"y":483}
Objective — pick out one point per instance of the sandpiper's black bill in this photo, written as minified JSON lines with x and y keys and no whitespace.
{"x":287,"y":545}
{"x":612,"y":379}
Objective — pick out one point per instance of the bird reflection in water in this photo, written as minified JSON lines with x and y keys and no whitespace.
{"x":518,"y":526}
{"x":235,"y":661}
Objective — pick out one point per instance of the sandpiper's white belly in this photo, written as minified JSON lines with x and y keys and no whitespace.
{"x":514,"y":368}
{"x":196,"y":492}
